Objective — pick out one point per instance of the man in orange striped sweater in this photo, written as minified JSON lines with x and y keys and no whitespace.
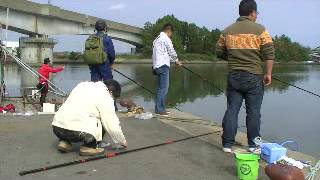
{"x":249,"y":50}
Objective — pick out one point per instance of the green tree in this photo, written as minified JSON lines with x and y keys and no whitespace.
{"x":288,"y":51}
{"x":147,"y":38}
{"x":194,"y":42}
{"x":74,"y":56}
{"x":188,"y":38}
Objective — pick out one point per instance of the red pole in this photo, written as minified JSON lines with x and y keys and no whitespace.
{"x":110,"y":155}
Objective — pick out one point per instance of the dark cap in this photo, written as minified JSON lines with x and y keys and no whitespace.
{"x":46,"y":61}
{"x":100,"y":25}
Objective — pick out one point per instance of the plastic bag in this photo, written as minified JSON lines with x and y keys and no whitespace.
{"x":144,"y":116}
{"x":28,"y":113}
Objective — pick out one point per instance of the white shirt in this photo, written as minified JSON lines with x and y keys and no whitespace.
{"x":163,"y":51}
{"x":89,"y":108}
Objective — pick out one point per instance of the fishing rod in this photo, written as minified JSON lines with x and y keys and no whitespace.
{"x":277,"y":79}
{"x":111,"y":155}
{"x":204,"y":79}
{"x":139,"y":84}
{"x":312,"y":93}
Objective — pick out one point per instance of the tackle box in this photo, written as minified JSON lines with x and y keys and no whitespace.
{"x":272,"y":152}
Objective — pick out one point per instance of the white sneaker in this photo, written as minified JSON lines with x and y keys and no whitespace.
{"x":255,"y":150}
{"x":227,"y":150}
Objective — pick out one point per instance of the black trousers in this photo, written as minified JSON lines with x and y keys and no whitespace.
{"x":76,"y":136}
{"x":43,"y":88}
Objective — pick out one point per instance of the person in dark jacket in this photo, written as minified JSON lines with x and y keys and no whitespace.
{"x":103,"y":72}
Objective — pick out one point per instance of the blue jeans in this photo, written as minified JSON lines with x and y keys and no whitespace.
{"x":163,"y":86}
{"x":243,"y":86}
{"x":101,"y":72}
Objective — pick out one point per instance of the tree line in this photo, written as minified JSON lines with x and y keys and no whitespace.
{"x":199,"y":43}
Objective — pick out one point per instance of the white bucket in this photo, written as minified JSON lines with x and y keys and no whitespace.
{"x":35,"y":93}
{"x":48,"y":108}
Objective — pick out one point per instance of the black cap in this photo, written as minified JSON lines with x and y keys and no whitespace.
{"x":100,"y":25}
{"x":46,"y":61}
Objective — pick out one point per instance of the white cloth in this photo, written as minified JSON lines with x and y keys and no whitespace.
{"x":293,"y":162}
{"x":89,"y":108}
{"x":163,"y":51}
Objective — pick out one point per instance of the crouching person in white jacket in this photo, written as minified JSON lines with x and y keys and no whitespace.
{"x":86,"y":115}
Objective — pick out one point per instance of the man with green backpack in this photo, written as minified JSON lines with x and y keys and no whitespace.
{"x":99,"y":53}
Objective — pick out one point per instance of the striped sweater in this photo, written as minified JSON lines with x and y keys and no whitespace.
{"x":246,"y":45}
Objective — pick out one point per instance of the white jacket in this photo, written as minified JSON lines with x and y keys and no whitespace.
{"x":163,"y":51}
{"x":89,"y":108}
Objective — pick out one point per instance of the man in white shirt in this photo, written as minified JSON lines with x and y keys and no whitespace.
{"x":86,"y":115}
{"x":163,"y":54}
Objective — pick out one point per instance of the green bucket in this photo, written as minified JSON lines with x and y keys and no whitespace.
{"x":247,"y":166}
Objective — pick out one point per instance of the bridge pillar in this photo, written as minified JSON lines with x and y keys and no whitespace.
{"x":139,"y":50}
{"x":35,"y":49}
{"x":136,"y":51}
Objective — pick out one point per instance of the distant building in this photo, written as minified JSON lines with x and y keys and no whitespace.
{"x":315,"y":55}
{"x":12,"y":47}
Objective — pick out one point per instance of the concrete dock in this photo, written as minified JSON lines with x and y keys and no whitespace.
{"x":27,"y":142}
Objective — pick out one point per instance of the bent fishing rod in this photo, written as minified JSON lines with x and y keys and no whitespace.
{"x":111,"y":155}
{"x":139,"y":84}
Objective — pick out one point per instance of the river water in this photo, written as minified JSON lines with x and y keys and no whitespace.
{"x":287,"y":113}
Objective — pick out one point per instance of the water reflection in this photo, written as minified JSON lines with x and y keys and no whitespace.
{"x":186,"y":87}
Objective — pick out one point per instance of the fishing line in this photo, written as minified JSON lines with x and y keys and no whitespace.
{"x":140,"y":84}
{"x":210,"y":82}
{"x":204,"y":79}
{"x":277,"y":79}
{"x":313,"y":171}
{"x":111,"y":155}
{"x":302,"y":89}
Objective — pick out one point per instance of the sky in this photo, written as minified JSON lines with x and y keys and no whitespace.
{"x":299,"y":19}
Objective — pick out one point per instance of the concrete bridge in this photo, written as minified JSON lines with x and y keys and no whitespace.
{"x":42,"y":20}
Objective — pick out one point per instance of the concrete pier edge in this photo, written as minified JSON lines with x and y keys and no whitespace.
{"x":241,"y":139}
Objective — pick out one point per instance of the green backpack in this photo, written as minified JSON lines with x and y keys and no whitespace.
{"x":94,"y":53}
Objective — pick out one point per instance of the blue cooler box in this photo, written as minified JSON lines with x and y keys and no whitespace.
{"x":272,"y":152}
